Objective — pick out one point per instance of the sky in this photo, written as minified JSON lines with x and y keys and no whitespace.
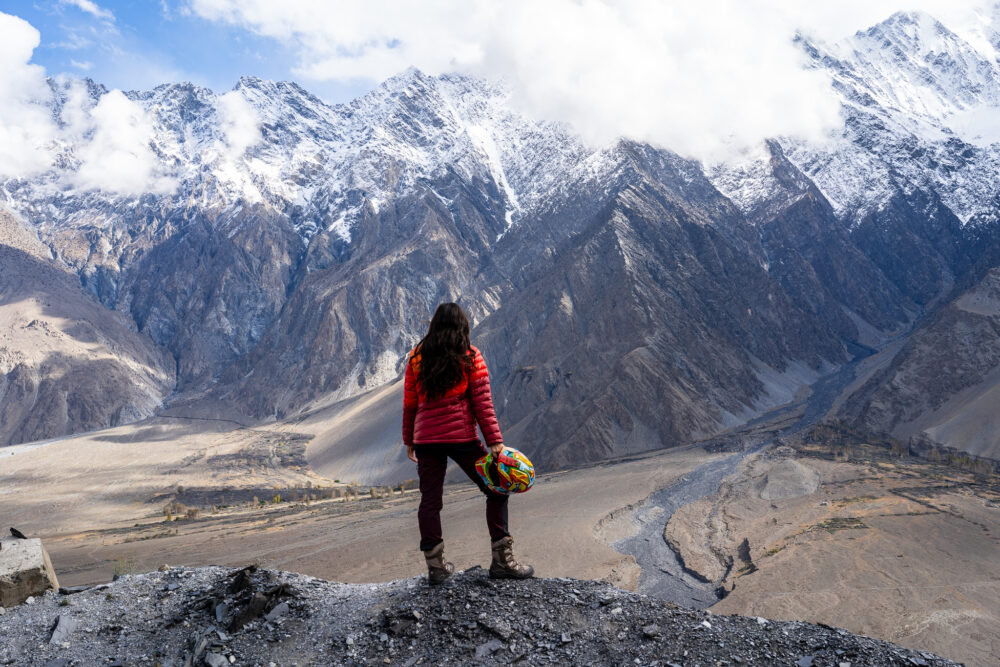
{"x":340,"y":49}
{"x":702,"y":78}
{"x":139,"y":44}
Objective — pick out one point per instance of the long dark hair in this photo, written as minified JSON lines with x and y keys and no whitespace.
{"x":444,"y":351}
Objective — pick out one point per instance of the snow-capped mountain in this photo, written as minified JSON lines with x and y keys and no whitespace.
{"x":320,"y":164}
{"x":921,"y":109}
{"x":286,"y":251}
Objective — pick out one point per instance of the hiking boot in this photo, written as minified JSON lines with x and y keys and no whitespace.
{"x":504,"y":566}
{"x":437,"y":569}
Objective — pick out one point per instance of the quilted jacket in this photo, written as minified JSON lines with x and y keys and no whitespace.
{"x":453,"y":417}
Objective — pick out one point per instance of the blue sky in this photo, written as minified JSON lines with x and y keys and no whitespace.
{"x":142,"y":43}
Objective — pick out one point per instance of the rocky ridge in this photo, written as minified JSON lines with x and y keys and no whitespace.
{"x":217,"y":617}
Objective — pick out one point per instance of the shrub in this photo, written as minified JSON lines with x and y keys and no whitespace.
{"x":174,"y":509}
{"x":123,"y":565}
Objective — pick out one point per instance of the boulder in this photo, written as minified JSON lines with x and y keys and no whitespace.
{"x":25,"y":570}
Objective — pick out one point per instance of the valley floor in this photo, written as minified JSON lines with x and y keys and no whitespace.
{"x":373,"y":540}
{"x":903,"y":551}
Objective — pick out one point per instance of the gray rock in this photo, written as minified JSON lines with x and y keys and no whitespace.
{"x":215,"y":660}
{"x":65,"y":625}
{"x":450,"y":632}
{"x":488,"y":648}
{"x":279,"y":610}
{"x":72,"y":590}
{"x":804,"y":661}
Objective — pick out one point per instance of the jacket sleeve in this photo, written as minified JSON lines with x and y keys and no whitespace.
{"x":409,"y":403}
{"x":482,"y":401}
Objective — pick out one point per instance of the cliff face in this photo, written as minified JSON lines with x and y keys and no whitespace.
{"x":649,"y":326}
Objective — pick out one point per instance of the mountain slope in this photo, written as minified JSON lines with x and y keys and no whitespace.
{"x":67,"y":364}
{"x":650,"y":326}
{"x":945,"y":381}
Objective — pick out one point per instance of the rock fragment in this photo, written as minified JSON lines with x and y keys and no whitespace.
{"x":25,"y":571}
{"x":65,"y":625}
{"x":215,"y":660}
{"x":279,"y":610}
{"x":488,"y":648}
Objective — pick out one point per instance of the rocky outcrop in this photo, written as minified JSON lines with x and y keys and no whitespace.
{"x":215,"y":616}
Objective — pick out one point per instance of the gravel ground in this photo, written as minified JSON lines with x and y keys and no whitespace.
{"x":216,"y":616}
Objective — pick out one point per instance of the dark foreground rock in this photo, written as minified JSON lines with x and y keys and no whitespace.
{"x":215,"y":616}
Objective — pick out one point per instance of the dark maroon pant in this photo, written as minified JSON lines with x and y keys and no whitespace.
{"x":432,"y":463}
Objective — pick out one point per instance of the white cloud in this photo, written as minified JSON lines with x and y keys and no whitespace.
{"x":703,"y":79}
{"x":84,"y":65}
{"x":110,"y":140}
{"x":26,"y":127}
{"x":239,"y":122}
{"x":118,"y":157}
{"x":91,"y":8}
{"x":700,"y":78}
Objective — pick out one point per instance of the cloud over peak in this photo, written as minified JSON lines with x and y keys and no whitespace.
{"x":700,"y":78}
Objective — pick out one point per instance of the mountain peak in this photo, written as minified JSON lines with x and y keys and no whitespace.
{"x":913,"y":31}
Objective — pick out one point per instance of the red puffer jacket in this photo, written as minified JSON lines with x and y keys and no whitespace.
{"x":453,"y":417}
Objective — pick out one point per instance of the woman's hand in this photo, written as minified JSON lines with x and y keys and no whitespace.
{"x":411,"y":453}
{"x":496,"y":449}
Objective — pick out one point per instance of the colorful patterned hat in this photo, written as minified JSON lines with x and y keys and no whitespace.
{"x":510,"y":472}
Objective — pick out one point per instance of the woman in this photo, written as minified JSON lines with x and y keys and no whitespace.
{"x":446,"y":392}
